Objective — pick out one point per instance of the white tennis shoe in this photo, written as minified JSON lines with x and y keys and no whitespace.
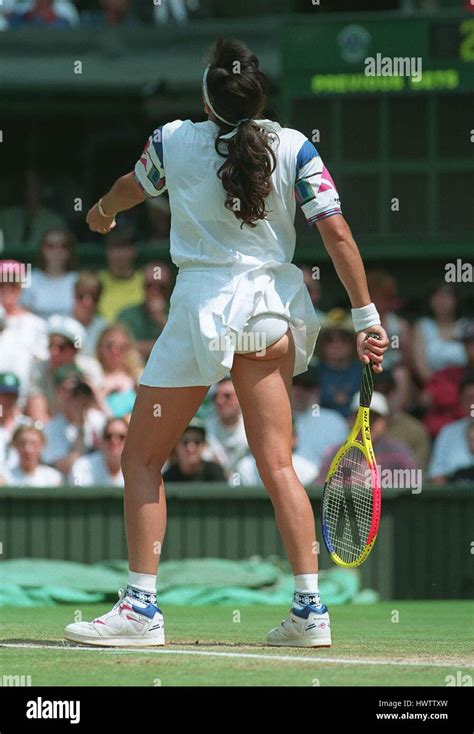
{"x":307,"y":627}
{"x":127,"y":625}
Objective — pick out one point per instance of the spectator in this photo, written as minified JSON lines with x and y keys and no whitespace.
{"x":190,"y":466}
{"x":44,"y":13}
{"x":26,"y":224}
{"x":113,"y":13}
{"x":390,"y":455}
{"x":441,"y":393}
{"x":227,"y":440}
{"x":87,"y":292}
{"x":338,"y":371}
{"x":314,"y":289}
{"x":465,"y":475}
{"x":77,"y":427}
{"x":52,"y":283}
{"x":434,"y":343}
{"x":451,"y":449}
{"x":402,"y":426}
{"x":246,"y":472}
{"x":317,"y":428}
{"x":146,"y":321}
{"x":10,"y":418}
{"x":176,"y":11}
{"x":122,"y":285}
{"x":29,"y":442}
{"x":66,"y":336}
{"x":23,"y":336}
{"x":122,"y":366}
{"x":397,"y":358}
{"x":102,"y":468}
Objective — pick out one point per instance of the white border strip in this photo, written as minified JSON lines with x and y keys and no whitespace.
{"x":245,"y":655}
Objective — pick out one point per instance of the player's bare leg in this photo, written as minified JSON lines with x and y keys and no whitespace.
{"x":263,"y":386}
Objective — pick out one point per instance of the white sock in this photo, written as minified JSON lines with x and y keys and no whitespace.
{"x":306,"y":590}
{"x":142,"y":587}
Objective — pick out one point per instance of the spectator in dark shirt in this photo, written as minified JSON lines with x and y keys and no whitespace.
{"x":146,"y":321}
{"x":338,"y":370}
{"x":190,"y":466}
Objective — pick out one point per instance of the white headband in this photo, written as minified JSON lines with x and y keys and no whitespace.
{"x":208,"y":102}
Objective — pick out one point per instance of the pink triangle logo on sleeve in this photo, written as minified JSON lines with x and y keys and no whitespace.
{"x":326,"y":181}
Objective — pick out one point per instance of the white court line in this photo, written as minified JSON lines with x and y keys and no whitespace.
{"x":247,"y":655}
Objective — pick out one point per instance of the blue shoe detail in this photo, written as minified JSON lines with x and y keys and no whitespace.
{"x":148,"y":611}
{"x":309,"y":609}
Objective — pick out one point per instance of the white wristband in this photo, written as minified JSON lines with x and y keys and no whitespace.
{"x":365,"y":317}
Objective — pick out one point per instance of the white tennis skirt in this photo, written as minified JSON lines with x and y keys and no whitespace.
{"x":209,"y":309}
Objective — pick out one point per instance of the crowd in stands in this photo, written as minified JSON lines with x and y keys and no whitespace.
{"x":73,"y":344}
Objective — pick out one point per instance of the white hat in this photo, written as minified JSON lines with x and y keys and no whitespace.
{"x":378,"y":404}
{"x":67,"y":327}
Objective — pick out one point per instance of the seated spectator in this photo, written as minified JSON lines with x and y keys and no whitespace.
{"x":465,"y":475}
{"x":66,"y":336}
{"x":122,"y":367}
{"x":44,"y":13}
{"x":190,"y":466}
{"x":102,"y":468}
{"x":397,"y":358}
{"x":29,"y":442}
{"x":402,"y":426}
{"x":122,"y":285}
{"x":27,"y":223}
{"x":338,"y":371}
{"x":390,"y":455}
{"x":77,"y":428}
{"x":23,"y":336}
{"x":226,"y":437}
{"x":317,"y":428}
{"x":113,"y":13}
{"x":52,"y":283}
{"x":146,"y":321}
{"x":451,"y":448}
{"x":314,"y":289}
{"x":87,"y":292}
{"x":175,"y":11}
{"x":441,"y":393}
{"x":10,"y":418}
{"x":246,"y":473}
{"x":434,"y":344}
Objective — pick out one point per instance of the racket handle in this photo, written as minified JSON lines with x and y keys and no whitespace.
{"x":367,"y":382}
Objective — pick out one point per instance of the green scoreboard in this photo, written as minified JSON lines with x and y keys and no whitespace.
{"x":388,"y":101}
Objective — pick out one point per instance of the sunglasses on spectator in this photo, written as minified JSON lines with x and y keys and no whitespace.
{"x":61,"y":346}
{"x":85,"y":294}
{"x":114,"y":434}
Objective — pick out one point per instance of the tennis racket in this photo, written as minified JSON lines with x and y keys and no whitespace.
{"x":352,"y":496}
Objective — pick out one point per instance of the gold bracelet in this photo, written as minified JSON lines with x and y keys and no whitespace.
{"x":101,"y":211}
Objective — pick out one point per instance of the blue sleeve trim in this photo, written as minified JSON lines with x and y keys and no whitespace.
{"x":305,"y":154}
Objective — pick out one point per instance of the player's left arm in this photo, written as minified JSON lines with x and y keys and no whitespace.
{"x":124,"y":194}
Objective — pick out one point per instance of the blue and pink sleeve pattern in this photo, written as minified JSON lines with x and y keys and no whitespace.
{"x":315,"y":190}
{"x":149,"y":170}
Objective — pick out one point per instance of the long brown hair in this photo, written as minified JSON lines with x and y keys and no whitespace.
{"x":237,"y":89}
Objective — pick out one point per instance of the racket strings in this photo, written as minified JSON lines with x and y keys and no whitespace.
{"x":348,"y":505}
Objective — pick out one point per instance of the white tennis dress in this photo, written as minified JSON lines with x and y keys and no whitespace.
{"x":227,"y":274}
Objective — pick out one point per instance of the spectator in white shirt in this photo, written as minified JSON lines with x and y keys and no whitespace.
{"x":226,"y":437}
{"x":77,"y":428}
{"x":102,"y":468}
{"x":23,"y":336}
{"x":29,"y":442}
{"x":10,"y":419}
{"x":66,"y":337}
{"x":317,"y":428}
{"x":452,"y":449}
{"x":246,"y":472}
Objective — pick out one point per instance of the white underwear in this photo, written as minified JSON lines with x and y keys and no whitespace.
{"x":260,"y":332}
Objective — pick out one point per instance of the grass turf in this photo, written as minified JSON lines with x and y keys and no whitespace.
{"x":426,"y":632}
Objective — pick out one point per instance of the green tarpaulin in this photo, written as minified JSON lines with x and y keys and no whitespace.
{"x":36,"y":582}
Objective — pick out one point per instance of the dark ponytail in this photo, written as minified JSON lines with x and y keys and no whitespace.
{"x":238,"y":90}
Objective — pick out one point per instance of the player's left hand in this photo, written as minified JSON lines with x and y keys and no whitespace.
{"x":98,"y":223}
{"x":372,"y":350}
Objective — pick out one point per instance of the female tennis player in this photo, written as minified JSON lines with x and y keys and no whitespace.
{"x":233,"y":183}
